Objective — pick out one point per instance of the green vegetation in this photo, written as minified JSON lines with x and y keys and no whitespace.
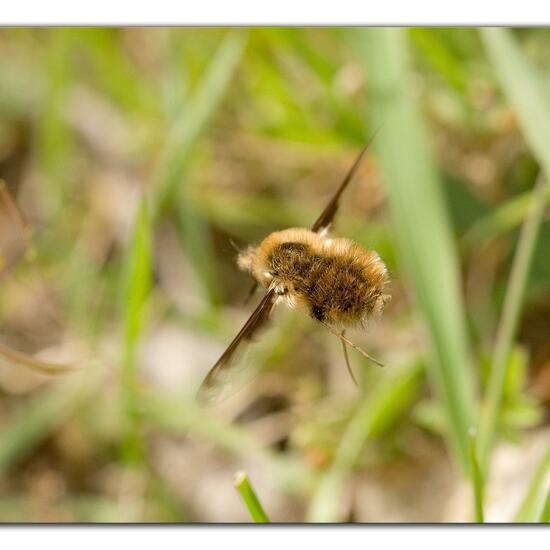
{"x":253,"y":505}
{"x":477,"y":478}
{"x":142,"y":158}
{"x":423,"y":233}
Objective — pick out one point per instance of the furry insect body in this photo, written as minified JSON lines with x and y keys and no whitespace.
{"x":335,"y":280}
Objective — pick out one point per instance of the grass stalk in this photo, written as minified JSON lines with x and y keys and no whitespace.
{"x":137,"y":284}
{"x":545,"y":514}
{"x":526,"y":94}
{"x":523,"y":89}
{"x":477,"y":478}
{"x":54,"y":141}
{"x":189,"y":124}
{"x":394,"y":393}
{"x":515,"y":293}
{"x":250,"y":499}
{"x":504,"y":218}
{"x":422,"y":228}
{"x":196,"y":114}
{"x":530,"y":506}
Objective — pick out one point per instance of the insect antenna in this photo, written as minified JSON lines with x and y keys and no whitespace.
{"x":235,"y":245}
{"x":350,"y":343}
{"x":346,"y":358}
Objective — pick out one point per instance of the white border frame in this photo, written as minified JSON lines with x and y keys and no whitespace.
{"x":278,"y":13}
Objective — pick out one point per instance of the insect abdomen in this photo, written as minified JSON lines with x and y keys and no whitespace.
{"x":339,"y":292}
{"x":338,"y":286}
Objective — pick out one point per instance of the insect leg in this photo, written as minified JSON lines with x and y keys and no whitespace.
{"x":350,"y":343}
{"x":346,"y":357}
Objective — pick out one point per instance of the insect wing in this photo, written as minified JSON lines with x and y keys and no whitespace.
{"x":324,"y":221}
{"x":220,"y":382}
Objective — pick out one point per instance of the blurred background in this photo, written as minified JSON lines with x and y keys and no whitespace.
{"x":138,"y":161}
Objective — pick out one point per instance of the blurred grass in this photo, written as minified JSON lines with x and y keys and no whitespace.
{"x":110,"y":69}
{"x":137,"y":286}
{"x":524,"y":89}
{"x":477,"y":478}
{"x":507,"y":328}
{"x":181,"y":415}
{"x":436,"y":51}
{"x":533,"y":502}
{"x":502,"y":219}
{"x":422,"y":232}
{"x":545,"y":514}
{"x":195,"y":115}
{"x":54,"y":139}
{"x":189,"y":123}
{"x":379,"y":408}
{"x":44,"y":413}
{"x":520,"y":83}
{"x":77,"y":508}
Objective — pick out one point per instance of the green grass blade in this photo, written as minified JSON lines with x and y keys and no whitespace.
{"x":505,"y":217}
{"x":394,"y":392}
{"x":250,"y":499}
{"x":440,"y":57}
{"x":138,"y":275}
{"x":422,"y":228}
{"x":477,"y":478}
{"x":515,"y":292}
{"x":43,"y":414}
{"x":137,"y":285}
{"x":53,"y":139}
{"x":197,"y":113}
{"x":189,"y":125}
{"x":524,"y":91}
{"x":530,"y":506}
{"x":545,"y":515}
{"x":113,"y":75}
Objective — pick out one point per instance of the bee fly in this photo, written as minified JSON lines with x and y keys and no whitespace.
{"x":335,"y":280}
